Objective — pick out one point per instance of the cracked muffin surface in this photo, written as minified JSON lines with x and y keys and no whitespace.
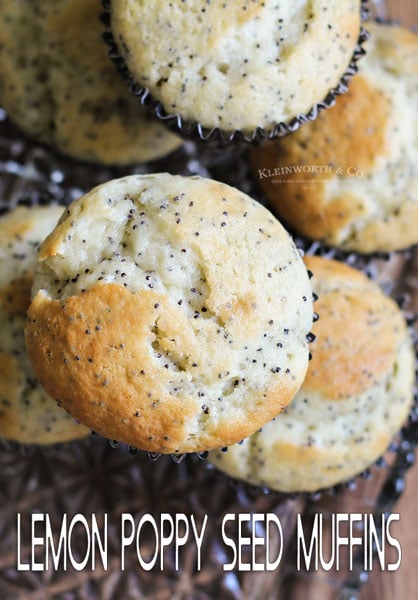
{"x":237,"y":65}
{"x":170,"y":313}
{"x":350,"y":178}
{"x":357,"y":393}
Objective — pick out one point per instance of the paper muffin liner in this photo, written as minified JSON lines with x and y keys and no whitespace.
{"x":397,"y":458}
{"x":196,"y":131}
{"x":34,"y":174}
{"x":384,"y":269}
{"x":202,"y":455}
{"x":39,"y":176}
{"x":42,"y":178}
{"x":90,"y":475}
{"x":366,"y":261}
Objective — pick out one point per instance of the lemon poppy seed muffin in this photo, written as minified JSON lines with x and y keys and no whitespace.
{"x":59,"y":86}
{"x":350,"y":178}
{"x":237,"y":66}
{"x":170,"y":313}
{"x":27,"y":414}
{"x":357,"y":393}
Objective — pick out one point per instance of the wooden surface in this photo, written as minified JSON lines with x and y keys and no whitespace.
{"x":405,"y":11}
{"x":402,"y":584}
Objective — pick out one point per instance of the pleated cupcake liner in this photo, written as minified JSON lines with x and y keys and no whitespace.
{"x":199,"y":455}
{"x":195,"y":131}
{"x":401,"y":450}
{"x":373,"y":265}
{"x":40,"y":176}
{"x":60,"y":181}
{"x":403,"y":444}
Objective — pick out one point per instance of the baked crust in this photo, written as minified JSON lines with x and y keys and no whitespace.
{"x":357,"y":393}
{"x":182,"y":326}
{"x":364,"y":328}
{"x":350,"y":177}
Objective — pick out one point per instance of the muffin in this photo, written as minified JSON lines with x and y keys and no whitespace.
{"x":243,"y":69}
{"x":357,"y":393}
{"x":59,"y":86}
{"x":181,"y":325}
{"x":27,"y":414}
{"x":350,"y":178}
